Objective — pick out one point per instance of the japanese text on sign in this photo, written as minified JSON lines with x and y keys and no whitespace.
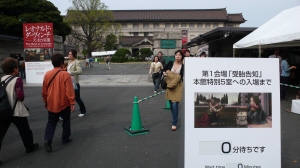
{"x":38,"y":35}
{"x":228,"y":78}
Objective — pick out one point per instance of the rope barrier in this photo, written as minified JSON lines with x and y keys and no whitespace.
{"x":290,"y":85}
{"x":156,"y":94}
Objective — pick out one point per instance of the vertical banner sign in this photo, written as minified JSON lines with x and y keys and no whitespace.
{"x":184,"y":34}
{"x":38,"y":35}
{"x":232,"y":113}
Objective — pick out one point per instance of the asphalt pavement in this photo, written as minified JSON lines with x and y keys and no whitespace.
{"x":99,"y":139}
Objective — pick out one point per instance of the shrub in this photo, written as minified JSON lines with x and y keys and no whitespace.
{"x":122,"y":52}
{"x":119,"y":59}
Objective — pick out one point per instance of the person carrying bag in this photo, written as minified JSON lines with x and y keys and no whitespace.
{"x":154,"y":70}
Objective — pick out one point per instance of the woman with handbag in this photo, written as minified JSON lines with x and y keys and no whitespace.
{"x":154,"y":70}
{"x":173,"y":73}
{"x":74,"y":70}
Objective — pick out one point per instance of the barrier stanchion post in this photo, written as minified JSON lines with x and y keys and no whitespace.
{"x":167,"y":106}
{"x":136,"y":127}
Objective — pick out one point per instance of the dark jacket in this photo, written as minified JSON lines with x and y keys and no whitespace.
{"x":162,"y":61}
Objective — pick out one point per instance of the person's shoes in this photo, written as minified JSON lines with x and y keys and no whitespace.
{"x":48,"y":146}
{"x":67,"y":141}
{"x":174,"y":128}
{"x":81,"y":115}
{"x":34,"y":148}
{"x":61,"y":119}
{"x":154,"y":91}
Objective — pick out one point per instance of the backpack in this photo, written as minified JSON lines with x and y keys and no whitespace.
{"x":5,"y":109}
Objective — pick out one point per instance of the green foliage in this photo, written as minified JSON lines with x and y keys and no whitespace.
{"x":122,"y":52}
{"x":110,"y":43}
{"x":16,"y":12}
{"x":85,"y":53}
{"x":145,"y":52}
{"x":119,"y":59}
{"x":135,"y":59}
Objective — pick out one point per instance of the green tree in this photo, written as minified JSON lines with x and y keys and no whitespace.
{"x":122,"y":52}
{"x":110,"y":42}
{"x":91,"y":21}
{"x":145,"y":52}
{"x":16,"y":12}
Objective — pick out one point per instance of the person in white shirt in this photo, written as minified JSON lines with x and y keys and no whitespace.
{"x":87,"y":61}
{"x":155,"y":69}
{"x":276,"y":55}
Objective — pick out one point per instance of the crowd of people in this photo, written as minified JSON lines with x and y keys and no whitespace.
{"x":60,"y":91}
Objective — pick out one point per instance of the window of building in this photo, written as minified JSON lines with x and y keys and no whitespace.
{"x":168,"y":25}
{"x":146,"y":33}
{"x":200,"y":25}
{"x":146,"y":25}
{"x":135,"y":25}
{"x":135,"y":34}
{"x":175,"y":25}
{"x":207,"y":25}
{"x":215,"y":25}
{"x":229,"y":25}
{"x":191,"y":25}
{"x":183,"y":24}
{"x":124,"y":25}
{"x":156,"y":25}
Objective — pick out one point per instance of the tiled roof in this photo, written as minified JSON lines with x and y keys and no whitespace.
{"x":175,"y":15}
{"x":236,"y":17}
{"x":129,"y":40}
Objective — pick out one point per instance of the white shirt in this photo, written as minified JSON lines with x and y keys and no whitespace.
{"x":69,"y":67}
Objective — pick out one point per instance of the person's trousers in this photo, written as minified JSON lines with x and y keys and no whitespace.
{"x":156,"y":82}
{"x":283,"y":89}
{"x":22,"y":74}
{"x":108,"y":65}
{"x":23,"y":127}
{"x":53,"y":118}
{"x":174,"y":110}
{"x":79,"y":101}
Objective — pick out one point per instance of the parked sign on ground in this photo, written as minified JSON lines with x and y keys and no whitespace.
{"x":232,"y":113}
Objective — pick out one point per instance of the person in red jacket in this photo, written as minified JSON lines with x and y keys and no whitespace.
{"x":59,"y":98}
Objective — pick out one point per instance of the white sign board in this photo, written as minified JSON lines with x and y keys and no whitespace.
{"x":232,"y":113}
{"x":35,"y":71}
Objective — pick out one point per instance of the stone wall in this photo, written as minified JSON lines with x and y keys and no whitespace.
{"x":157,"y":37}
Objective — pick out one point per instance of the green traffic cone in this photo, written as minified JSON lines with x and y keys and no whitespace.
{"x":136,"y":124}
{"x":168,"y":106}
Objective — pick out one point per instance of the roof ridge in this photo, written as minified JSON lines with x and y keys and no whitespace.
{"x":169,"y":10}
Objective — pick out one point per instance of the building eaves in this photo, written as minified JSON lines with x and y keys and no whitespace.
{"x":130,"y":40}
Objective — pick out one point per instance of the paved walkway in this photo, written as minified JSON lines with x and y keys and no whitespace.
{"x":110,"y":80}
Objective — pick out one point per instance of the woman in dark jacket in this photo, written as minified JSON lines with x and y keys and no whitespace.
{"x":174,"y":94}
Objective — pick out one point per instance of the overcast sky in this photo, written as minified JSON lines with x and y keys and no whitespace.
{"x":256,"y":12}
